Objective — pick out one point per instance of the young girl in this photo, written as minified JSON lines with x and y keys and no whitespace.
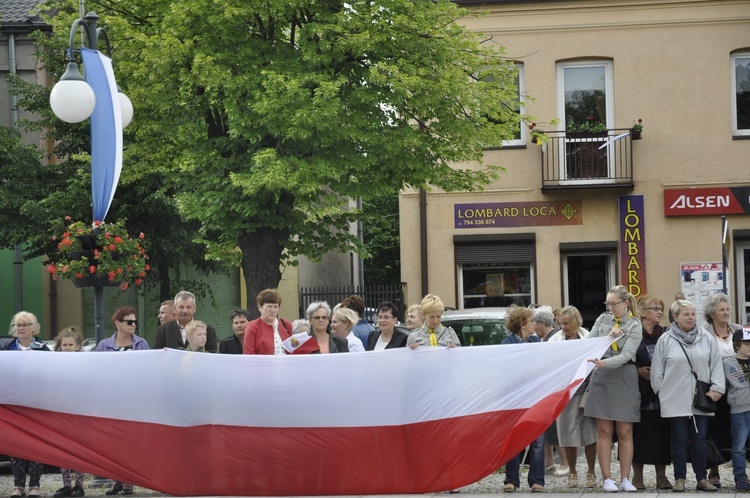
{"x":68,"y":340}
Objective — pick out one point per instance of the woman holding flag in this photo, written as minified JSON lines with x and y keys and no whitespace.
{"x":614,"y":397}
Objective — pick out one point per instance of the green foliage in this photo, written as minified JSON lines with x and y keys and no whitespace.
{"x":380,"y":231}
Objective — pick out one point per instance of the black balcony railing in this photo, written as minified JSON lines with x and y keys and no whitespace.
{"x":579,"y":160}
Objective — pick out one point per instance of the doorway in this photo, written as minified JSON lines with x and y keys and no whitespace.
{"x":742,"y":257}
{"x":587,"y":278}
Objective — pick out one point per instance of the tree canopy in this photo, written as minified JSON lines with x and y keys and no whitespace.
{"x":267,"y":116}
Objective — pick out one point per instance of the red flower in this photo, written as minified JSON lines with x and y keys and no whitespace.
{"x":92,"y":269}
{"x":138,"y":281}
{"x":67,"y":242}
{"x":124,"y":286}
{"x":142,"y":236}
{"x":96,"y":253}
{"x":112,"y":247}
{"x":142,"y":274}
{"x":52,"y":269}
{"x":118,"y":240}
{"x":148,"y":268}
{"x":66,"y":234}
{"x":97,"y":223}
{"x":68,"y":218}
{"x":79,"y":275}
{"x":119,"y":271}
{"x":111,"y":276}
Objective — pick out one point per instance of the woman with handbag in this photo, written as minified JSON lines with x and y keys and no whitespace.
{"x":686,"y":357}
{"x":650,"y":435}
{"x":614,"y":399}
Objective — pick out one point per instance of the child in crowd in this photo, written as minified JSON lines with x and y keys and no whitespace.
{"x":432,"y":333}
{"x":197,"y":333}
{"x":69,"y":340}
{"x":737,"y":373}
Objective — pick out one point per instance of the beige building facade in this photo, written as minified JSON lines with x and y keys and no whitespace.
{"x":594,"y":205}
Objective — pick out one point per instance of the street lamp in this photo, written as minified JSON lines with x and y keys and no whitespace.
{"x":75,"y":98}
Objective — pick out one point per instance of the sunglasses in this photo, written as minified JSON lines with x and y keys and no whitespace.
{"x":130,"y":322}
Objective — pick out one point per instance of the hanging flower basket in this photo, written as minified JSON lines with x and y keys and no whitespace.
{"x":99,"y":255}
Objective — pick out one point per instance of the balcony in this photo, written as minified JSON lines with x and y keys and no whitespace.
{"x":576,"y":160}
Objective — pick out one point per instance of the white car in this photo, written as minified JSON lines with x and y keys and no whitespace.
{"x":477,"y":326}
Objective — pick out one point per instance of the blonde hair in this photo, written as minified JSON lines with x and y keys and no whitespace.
{"x":431,"y":304}
{"x":623,"y":295}
{"x":417,"y":308}
{"x":572,"y":313}
{"x":28,"y":316}
{"x":348,"y":315}
{"x":195,"y":324}
{"x":65,"y":333}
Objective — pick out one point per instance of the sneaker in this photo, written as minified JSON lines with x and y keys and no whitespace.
{"x":704,"y":485}
{"x":63,"y":492}
{"x":537,"y":488}
{"x":627,"y":486}
{"x":34,"y":491}
{"x":609,"y":486}
{"x":18,"y":492}
{"x":679,"y":486}
{"x":742,"y":486}
{"x":77,"y":492}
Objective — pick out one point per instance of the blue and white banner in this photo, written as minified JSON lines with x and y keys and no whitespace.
{"x":106,"y":131}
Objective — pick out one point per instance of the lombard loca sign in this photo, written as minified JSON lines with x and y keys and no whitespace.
{"x":517,"y":214}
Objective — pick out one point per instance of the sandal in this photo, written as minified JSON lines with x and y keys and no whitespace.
{"x":590,"y":480}
{"x":18,"y":492}
{"x":573,"y":480}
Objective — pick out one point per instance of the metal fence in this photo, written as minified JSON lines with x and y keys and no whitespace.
{"x":373,"y":295}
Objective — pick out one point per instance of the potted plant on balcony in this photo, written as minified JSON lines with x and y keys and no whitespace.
{"x":97,"y":255}
{"x":590,"y":127}
{"x":538,"y":136}
{"x":635,"y":131}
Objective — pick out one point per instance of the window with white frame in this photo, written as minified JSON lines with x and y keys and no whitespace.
{"x":520,"y":133}
{"x":585,"y":107}
{"x":741,"y":93}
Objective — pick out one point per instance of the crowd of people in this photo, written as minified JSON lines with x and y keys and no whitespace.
{"x":640,"y":392}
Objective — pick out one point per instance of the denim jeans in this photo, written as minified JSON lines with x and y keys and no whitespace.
{"x":683,"y":430}
{"x":536,"y":465}
{"x":740,"y":433}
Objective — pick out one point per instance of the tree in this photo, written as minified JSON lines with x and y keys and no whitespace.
{"x":381,"y":239}
{"x":269,"y":116}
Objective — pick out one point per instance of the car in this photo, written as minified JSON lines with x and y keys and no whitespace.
{"x":477,"y":326}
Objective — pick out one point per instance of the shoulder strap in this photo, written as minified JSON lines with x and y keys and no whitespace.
{"x":283,"y":322}
{"x":688,"y":358}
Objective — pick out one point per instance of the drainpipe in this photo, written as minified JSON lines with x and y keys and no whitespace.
{"x":18,"y":253}
{"x":423,"y":239}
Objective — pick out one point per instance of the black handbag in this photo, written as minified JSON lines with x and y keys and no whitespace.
{"x":700,"y":400}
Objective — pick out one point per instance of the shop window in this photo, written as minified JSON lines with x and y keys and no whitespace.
{"x":496,"y":284}
{"x":741,"y":94}
{"x":586,"y":110}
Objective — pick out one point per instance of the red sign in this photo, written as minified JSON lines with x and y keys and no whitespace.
{"x":703,"y":201}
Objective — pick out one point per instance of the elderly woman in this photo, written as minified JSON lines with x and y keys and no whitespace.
{"x":414,"y":317}
{"x":651,"y":434}
{"x":518,"y":321}
{"x":319,"y":314}
{"x":716,"y":312}
{"x":386,"y":336}
{"x":544,"y":327}
{"x":265,"y":334}
{"x":614,"y":398}
{"x":300,"y":325}
{"x":683,"y":349}
{"x":342,"y":323}
{"x":124,"y":339}
{"x":574,"y":429}
{"x":25,"y":328}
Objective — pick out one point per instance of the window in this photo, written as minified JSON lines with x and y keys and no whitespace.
{"x":585,"y":105}
{"x":520,"y":137}
{"x":496,"y":284}
{"x":741,"y":94}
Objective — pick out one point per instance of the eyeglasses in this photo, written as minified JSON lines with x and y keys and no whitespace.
{"x":655,"y":308}
{"x":130,"y":322}
{"x":24,"y":325}
{"x":612,"y":305}
{"x":319,"y":317}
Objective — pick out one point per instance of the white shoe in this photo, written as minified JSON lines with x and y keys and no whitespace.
{"x":609,"y":486}
{"x":561,"y":472}
{"x":627,"y":486}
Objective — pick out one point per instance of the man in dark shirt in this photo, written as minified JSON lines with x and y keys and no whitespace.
{"x":173,"y":334}
{"x":233,"y":344}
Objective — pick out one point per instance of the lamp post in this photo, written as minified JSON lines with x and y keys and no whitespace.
{"x":75,"y":98}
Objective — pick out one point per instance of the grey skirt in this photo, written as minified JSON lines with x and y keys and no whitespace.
{"x":614,"y":394}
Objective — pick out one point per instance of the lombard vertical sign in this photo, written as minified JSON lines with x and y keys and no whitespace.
{"x":632,"y":243}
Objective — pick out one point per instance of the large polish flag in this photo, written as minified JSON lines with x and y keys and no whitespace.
{"x":184,"y":423}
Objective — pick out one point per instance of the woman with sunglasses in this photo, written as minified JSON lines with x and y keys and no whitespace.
{"x":124,"y":338}
{"x":25,"y":327}
{"x":614,"y":399}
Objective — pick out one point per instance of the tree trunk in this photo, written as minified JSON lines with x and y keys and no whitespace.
{"x":165,"y":292}
{"x":261,"y":257}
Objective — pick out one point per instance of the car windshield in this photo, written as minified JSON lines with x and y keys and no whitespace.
{"x":478,"y":331}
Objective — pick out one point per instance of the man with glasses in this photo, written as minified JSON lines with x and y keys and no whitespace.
{"x":174,"y":334}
